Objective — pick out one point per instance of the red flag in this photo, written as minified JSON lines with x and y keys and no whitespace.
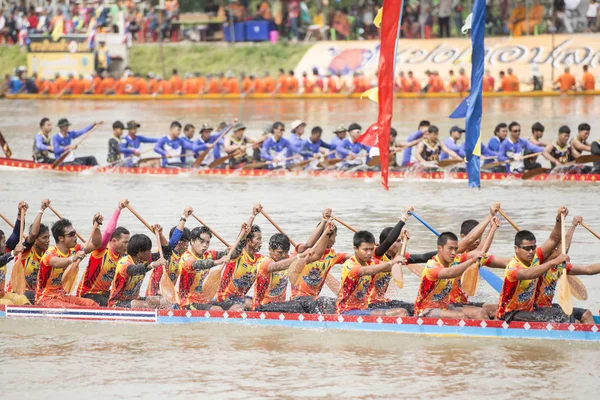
{"x":379,"y":133}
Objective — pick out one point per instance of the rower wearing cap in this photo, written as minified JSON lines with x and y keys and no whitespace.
{"x":276,"y":148}
{"x":62,"y":141}
{"x":452,"y":142}
{"x":114,"y":155}
{"x":237,"y":143}
{"x":351,"y":151}
{"x":513,"y":148}
{"x":130,"y":144}
{"x":42,"y":144}
{"x":340,"y":134}
{"x":172,"y":147}
{"x":206,"y":140}
{"x":295,"y":139}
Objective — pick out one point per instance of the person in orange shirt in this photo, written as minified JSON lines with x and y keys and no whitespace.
{"x":213,"y":84}
{"x":59,"y":82}
{"x":515,"y":85}
{"x":504,"y":83}
{"x":96,"y":83}
{"x":130,"y":84}
{"x":164,"y":87}
{"x":200,"y":82}
{"x":152,"y":85}
{"x":307,"y":84}
{"x":257,"y":85}
{"x":282,"y":82}
{"x":566,"y":81}
{"x":86,"y":84}
{"x":268,"y":83}
{"x":233,"y":87}
{"x":189,"y":85}
{"x":292,"y":83}
{"x":43,"y":86}
{"x":357,"y":83}
{"x":587,"y":81}
{"x":462,"y":82}
{"x":436,"y":85}
{"x":36,"y":80}
{"x":52,"y":88}
{"x":415,"y":85}
{"x":488,"y":81}
{"x":223,"y":83}
{"x":451,"y":82}
{"x":108,"y":83}
{"x":73,"y":86}
{"x":405,"y":83}
{"x":430,"y":82}
{"x":246,"y":83}
{"x":334,"y":84}
{"x":175,"y":82}
{"x":143,"y":87}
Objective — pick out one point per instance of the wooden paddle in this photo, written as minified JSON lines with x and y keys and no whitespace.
{"x":499,"y":163}
{"x":532,"y":173}
{"x":12,"y":226}
{"x":128,"y":158}
{"x":588,"y":158}
{"x":66,"y":153}
{"x":345,"y":224}
{"x":376,"y":160}
{"x":449,"y":163}
{"x":265,"y":163}
{"x":166,"y":287}
{"x":578,"y":289}
{"x":211,"y":231}
{"x":510,"y":221}
{"x":582,"y":224}
{"x":470,"y":279}
{"x":221,"y":160}
{"x":415,"y":269}
{"x":397,"y":268}
{"x":300,"y":164}
{"x":564,"y":290}
{"x":60,"y":217}
{"x":70,"y":275}
{"x":277,"y":227}
{"x":5,"y":147}
{"x":17,"y":276}
{"x":203,"y":155}
{"x":329,"y":162}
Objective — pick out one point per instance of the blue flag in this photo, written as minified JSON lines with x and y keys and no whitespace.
{"x":471,"y":107}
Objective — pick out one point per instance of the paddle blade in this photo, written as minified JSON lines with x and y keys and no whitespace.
{"x":220,"y":160}
{"x":374,"y":161}
{"x":415,"y":269}
{"x":470,"y":280}
{"x":211,"y":283}
{"x":17,"y":277}
{"x":564,"y":295}
{"x":333,"y":284}
{"x":398,"y":275}
{"x":167,"y":289}
{"x":301,"y":164}
{"x":255,"y":165}
{"x":578,"y":289}
{"x":60,"y":159}
{"x":199,"y":159}
{"x":5,"y":147}
{"x":588,"y":158}
{"x":535,"y":172}
{"x":69,"y":277}
{"x":448,"y":163}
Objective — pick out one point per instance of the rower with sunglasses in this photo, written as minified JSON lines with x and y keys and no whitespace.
{"x":514,"y":148}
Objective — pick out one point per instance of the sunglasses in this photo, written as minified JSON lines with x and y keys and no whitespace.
{"x":71,"y":234}
{"x":528,"y":248}
{"x":516,"y":131}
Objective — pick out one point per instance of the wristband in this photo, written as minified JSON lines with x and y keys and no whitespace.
{"x":40,"y":211}
{"x":183,"y":218}
{"x":71,"y":258}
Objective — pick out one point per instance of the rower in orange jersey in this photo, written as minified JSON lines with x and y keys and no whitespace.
{"x":514,"y":84}
{"x":52,"y":88}
{"x":415,"y":85}
{"x":438,"y":82}
{"x":200,"y":82}
{"x":164,"y":87}
{"x":35,"y":245}
{"x":142,"y":84}
{"x":233,"y":87}
{"x":130,"y":84}
{"x":86,"y":84}
{"x":566,"y":81}
{"x":404,"y":83}
{"x":97,"y":84}
{"x":488,"y":81}
{"x":59,"y":82}
{"x":357,"y":83}
{"x":49,"y":289}
{"x":36,"y":79}
{"x":282,"y":82}
{"x":246,"y":83}
{"x":434,"y":293}
{"x":333,"y":84}
{"x":190,"y":85}
{"x":357,"y":279}
{"x":213,"y":84}
{"x":152,"y":83}
{"x":175,"y":82}
{"x":292,"y":83}
{"x":307,"y":83}
{"x":6,"y":256}
{"x":72,"y":87}
{"x":257,"y":84}
{"x":239,"y":274}
{"x":268,"y":83}
{"x":462,"y":82}
{"x":588,"y":82}
{"x":100,"y":271}
{"x":223,"y":83}
{"x":43,"y":86}
{"x":179,"y":241}
{"x":108,"y":83}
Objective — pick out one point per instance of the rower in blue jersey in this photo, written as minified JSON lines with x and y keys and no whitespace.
{"x":500,"y":133}
{"x":277,"y":148}
{"x":188,"y":138}
{"x":452,"y":142}
{"x":513,"y":149}
{"x":352,"y":152}
{"x":296,"y":139}
{"x":130,"y":144}
{"x":62,"y":142}
{"x":340,"y":134}
{"x":172,"y":147}
{"x":206,"y":140}
{"x":314,"y":145}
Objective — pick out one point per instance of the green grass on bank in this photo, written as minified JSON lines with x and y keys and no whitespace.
{"x":204,"y":58}
{"x":214,"y":58}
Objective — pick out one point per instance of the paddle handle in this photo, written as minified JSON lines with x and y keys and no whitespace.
{"x":60,"y":217}
{"x":7,"y":221}
{"x":22,"y":226}
{"x":142,"y":220}
{"x":563,"y":235}
{"x":213,"y":232}
{"x":510,"y":221}
{"x":590,"y":230}
{"x":157,"y":234}
{"x":277,"y":227}
{"x":424,"y":223}
{"x":64,"y":155}
{"x":345,"y":224}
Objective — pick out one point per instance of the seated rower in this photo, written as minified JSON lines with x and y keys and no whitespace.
{"x":173,"y":148}
{"x":195,"y":265}
{"x":517,"y":299}
{"x":62,"y":142}
{"x":207,"y":141}
{"x":422,"y":131}
{"x":500,"y":133}
{"x":274,"y":272}
{"x":130,"y":146}
{"x":49,"y":290}
{"x":579,"y":144}
{"x":452,"y":143}
{"x":100,"y":271}
{"x":236,"y":144}
{"x":296,"y":139}
{"x":559,"y":153}
{"x":314,"y":145}
{"x":513,"y":149}
{"x":357,"y":279}
{"x":114,"y":154}
{"x":42,"y":144}
{"x":239,"y":274}
{"x":340,"y":134}
{"x":179,"y":241}
{"x":34,"y":246}
{"x":537,"y":133}
{"x":5,"y":258}
{"x":277,"y":149}
{"x":434,"y":293}
{"x":188,"y":137}
{"x":430,"y":148}
{"x":352,"y":152}
{"x":130,"y":272}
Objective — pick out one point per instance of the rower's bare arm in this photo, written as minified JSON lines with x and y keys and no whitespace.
{"x":186,"y":214}
{"x":316,"y":233}
{"x":478,"y":231}
{"x":62,"y":262}
{"x":548,"y":156}
{"x":539,"y":270}
{"x":485,"y":245}
{"x":418,"y":151}
{"x":316,"y":252}
{"x":554,"y":238}
{"x":568,"y":238}
{"x":498,"y":262}
{"x":592,"y":269}
{"x":281,"y":265}
{"x":375,"y":269}
{"x":35,"y":228}
{"x":96,"y":235}
{"x":457,"y":270}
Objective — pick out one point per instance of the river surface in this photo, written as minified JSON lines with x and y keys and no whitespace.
{"x":55,"y":359}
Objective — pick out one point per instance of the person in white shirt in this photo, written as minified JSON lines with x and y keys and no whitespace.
{"x":444,"y":11}
{"x":592,"y":15}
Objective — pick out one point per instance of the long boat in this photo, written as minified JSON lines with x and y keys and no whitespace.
{"x":405,"y":325}
{"x":16,"y":164}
